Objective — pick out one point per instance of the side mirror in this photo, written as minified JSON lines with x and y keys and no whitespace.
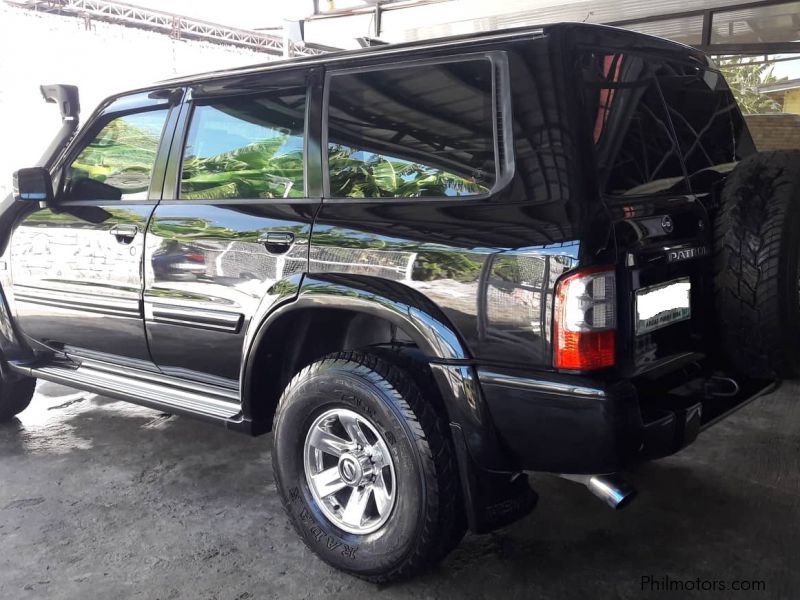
{"x":33,"y":185}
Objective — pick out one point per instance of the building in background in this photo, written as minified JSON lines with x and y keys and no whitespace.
{"x":786,"y":93}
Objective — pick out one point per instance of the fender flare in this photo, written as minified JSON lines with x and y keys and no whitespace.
{"x":406,"y":308}
{"x":418,"y":316}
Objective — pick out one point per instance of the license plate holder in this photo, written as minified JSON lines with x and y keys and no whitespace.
{"x":658,"y":306}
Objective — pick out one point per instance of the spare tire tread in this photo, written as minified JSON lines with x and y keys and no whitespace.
{"x":755,"y":265}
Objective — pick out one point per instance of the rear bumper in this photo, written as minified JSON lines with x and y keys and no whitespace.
{"x":569,"y":424}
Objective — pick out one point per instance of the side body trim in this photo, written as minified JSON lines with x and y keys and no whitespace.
{"x":536,"y":385}
{"x":94,"y":303}
{"x":216,"y":320}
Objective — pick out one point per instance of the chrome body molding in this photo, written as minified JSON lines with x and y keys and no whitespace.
{"x":538,"y":385}
{"x":141,"y":387}
{"x":69,"y":300}
{"x":194,"y":317}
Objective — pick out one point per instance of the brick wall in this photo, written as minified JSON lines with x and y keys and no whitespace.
{"x":777,"y":131}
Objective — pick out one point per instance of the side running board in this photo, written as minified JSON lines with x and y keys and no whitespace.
{"x":141,"y":387}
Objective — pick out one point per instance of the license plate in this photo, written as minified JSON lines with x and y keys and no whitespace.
{"x":660,"y":305}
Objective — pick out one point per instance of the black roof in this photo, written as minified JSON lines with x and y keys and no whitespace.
{"x":519,"y":33}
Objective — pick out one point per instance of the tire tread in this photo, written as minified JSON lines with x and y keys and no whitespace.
{"x":444,"y":523}
{"x":754,"y":231}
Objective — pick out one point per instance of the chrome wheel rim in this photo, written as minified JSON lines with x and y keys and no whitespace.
{"x":349,"y":471}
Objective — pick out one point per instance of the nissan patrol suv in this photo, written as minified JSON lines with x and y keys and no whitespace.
{"x":427,"y":268}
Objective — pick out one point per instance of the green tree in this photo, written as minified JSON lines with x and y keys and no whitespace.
{"x":380,"y":177}
{"x":744,"y":76}
{"x":258,"y":170}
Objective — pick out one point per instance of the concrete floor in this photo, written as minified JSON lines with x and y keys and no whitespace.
{"x":100,"y":499}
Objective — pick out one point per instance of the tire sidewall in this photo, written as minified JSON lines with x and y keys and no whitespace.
{"x":15,"y":396}
{"x":329,"y":385}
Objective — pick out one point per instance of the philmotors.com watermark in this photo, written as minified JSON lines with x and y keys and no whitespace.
{"x":665,"y":583}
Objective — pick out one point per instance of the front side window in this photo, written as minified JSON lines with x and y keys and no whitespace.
{"x":246,"y":147}
{"x":425,"y":130}
{"x":118,"y":163}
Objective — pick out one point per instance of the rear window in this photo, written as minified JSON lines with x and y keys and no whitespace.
{"x":654,"y":122}
{"x":708,"y":125}
{"x":407,"y":131}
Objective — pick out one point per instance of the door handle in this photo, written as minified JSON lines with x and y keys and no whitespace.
{"x":124,"y":232}
{"x":277,"y":242}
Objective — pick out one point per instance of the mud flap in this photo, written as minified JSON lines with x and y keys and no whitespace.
{"x":492,"y":499}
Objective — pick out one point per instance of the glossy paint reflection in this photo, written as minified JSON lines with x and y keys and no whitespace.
{"x":207,"y":272}
{"x":76,"y":285}
{"x":496,"y":296}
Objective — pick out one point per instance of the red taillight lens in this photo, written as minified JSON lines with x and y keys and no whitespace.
{"x":585,"y":325}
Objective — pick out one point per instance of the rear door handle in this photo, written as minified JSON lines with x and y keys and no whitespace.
{"x":277,"y":242}
{"x":124,"y":232}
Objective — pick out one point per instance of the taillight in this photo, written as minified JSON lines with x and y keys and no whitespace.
{"x":585,"y":325}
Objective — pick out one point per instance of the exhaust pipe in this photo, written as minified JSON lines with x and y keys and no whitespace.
{"x":611,"y":488}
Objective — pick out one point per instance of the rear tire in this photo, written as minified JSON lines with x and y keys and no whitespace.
{"x":15,"y":396}
{"x":423,"y":519}
{"x":756,"y":268}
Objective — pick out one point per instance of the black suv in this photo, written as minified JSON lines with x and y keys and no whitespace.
{"x":427,"y":268}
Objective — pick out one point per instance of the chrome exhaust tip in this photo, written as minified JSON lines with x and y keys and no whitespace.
{"x":611,"y":488}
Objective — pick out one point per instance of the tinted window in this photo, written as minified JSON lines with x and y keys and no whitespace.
{"x":413,"y":131}
{"x":118,"y":162}
{"x":247,"y":147}
{"x":709,"y":127}
{"x":634,"y":145}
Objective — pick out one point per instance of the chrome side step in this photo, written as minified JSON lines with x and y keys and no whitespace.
{"x":141,"y":387}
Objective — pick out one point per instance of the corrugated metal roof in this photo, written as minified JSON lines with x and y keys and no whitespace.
{"x":464,"y":16}
{"x":782,"y":86}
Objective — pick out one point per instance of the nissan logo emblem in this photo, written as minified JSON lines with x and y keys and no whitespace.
{"x":349,"y":470}
{"x":666,"y":224}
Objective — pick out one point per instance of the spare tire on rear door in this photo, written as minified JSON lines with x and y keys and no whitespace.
{"x":756,"y":247}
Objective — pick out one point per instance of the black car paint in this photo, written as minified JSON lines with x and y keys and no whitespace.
{"x":508,"y":408}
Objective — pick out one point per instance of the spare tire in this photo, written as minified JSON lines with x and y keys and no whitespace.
{"x":756,"y":275}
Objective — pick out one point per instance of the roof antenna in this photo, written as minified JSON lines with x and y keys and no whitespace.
{"x":589,"y":14}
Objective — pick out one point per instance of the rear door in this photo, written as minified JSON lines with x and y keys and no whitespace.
{"x":76,"y":266}
{"x":230,"y":236}
{"x":666,"y":131}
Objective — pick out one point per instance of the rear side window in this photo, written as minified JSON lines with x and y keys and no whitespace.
{"x":409,"y":131}
{"x":117,"y":164}
{"x":246,"y":147}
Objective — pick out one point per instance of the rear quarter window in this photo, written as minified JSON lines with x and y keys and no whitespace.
{"x":410,"y":131}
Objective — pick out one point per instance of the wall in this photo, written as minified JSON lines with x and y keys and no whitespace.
{"x":775,"y":131}
{"x":791,"y":101}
